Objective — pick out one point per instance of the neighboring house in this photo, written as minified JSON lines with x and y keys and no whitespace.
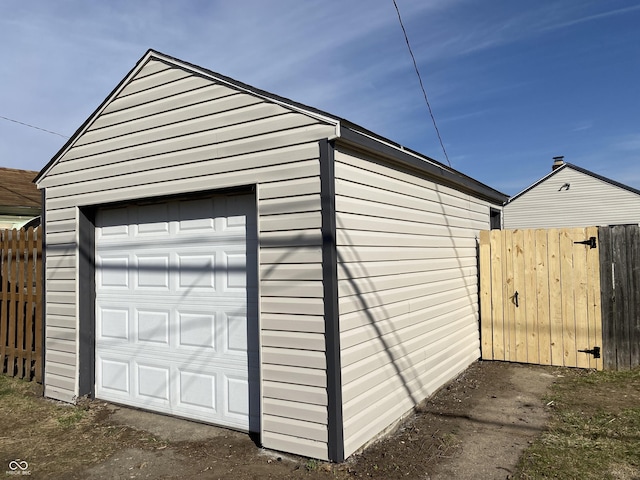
{"x":220,"y":253}
{"x":571,"y":196}
{"x":20,"y":200}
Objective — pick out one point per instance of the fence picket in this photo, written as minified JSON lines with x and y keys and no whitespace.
{"x":20,"y":306}
{"x":4,"y":287}
{"x":531,"y":297}
{"x":555,"y":297}
{"x":542,"y":294}
{"x":29,"y":300}
{"x":486,"y":333}
{"x":508,"y":296}
{"x":569,"y":351}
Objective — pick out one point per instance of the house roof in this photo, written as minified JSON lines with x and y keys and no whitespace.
{"x":346,"y":132}
{"x":579,"y":169}
{"x":17,"y":189}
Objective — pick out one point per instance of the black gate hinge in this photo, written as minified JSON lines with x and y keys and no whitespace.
{"x":595,"y":351}
{"x":591,"y":242}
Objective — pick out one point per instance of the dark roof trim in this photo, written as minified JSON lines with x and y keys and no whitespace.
{"x":408,"y":158}
{"x":581,"y":170}
{"x":291,"y":104}
{"x":91,"y":118}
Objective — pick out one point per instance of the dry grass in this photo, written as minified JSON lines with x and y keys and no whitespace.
{"x":594,"y":432}
{"x":51,"y":436}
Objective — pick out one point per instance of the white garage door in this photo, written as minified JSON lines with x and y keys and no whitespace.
{"x":171,"y":308}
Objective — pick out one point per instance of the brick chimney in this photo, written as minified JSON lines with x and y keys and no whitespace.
{"x":557,"y":162}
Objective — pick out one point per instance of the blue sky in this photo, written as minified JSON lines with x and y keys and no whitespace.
{"x":511,"y":84}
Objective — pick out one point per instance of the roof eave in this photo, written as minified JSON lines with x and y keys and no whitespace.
{"x":351,"y":136}
{"x":535,"y":184}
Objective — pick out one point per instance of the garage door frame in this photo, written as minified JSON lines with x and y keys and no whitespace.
{"x":87,"y":295}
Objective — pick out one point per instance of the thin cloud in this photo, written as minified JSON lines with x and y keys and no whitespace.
{"x":590,"y":18}
{"x":630,"y":142}
{"x":582,"y":126}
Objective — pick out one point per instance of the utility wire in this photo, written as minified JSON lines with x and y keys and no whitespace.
{"x":424,"y":93}
{"x":33,"y":126}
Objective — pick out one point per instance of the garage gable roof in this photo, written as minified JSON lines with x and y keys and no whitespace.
{"x":346,"y":132}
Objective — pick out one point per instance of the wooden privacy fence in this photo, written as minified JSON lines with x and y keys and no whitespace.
{"x":620,"y":283}
{"x":21,"y":303}
{"x":568,"y":297}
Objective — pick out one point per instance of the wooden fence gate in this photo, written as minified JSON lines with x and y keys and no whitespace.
{"x":540,"y":296}
{"x":21,"y":303}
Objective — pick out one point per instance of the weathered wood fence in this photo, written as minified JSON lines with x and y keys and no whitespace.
{"x":21,"y":303}
{"x":620,"y":280}
{"x":568,"y":297}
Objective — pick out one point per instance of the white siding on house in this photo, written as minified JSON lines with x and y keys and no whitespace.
{"x":407,"y":290}
{"x":170,"y":132}
{"x":588,"y":201}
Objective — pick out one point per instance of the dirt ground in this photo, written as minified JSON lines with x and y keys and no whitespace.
{"x":475,"y":427}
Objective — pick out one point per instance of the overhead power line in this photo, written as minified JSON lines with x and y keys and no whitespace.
{"x":33,"y":126}
{"x":424,"y":93}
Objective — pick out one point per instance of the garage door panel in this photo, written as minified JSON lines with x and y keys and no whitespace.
{"x":236,"y":334}
{"x":196,"y":271}
{"x":237,"y":397}
{"x":197,"y":389}
{"x":234,"y":223}
{"x":197,"y":330}
{"x":114,"y":224}
{"x":113,"y":323}
{"x":152,"y":326}
{"x":196,"y":216}
{"x":152,"y":271}
{"x":236,"y":271}
{"x":152,"y":219}
{"x":171,"y":308}
{"x":114,"y":272}
{"x":153,"y":383}
{"x":114,"y":376}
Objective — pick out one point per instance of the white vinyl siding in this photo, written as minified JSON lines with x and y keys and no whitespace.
{"x":169,"y":132}
{"x":292,"y":315}
{"x":588,"y":201}
{"x":407,"y":280}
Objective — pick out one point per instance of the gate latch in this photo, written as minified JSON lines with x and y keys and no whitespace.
{"x":591,"y":242}
{"x":595,"y":351}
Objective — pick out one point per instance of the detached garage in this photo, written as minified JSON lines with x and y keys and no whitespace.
{"x":219,"y":253}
